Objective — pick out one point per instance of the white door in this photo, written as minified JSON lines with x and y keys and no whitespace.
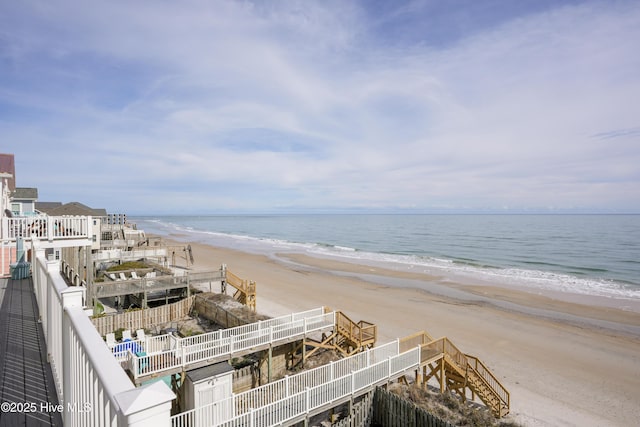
{"x":215,"y":394}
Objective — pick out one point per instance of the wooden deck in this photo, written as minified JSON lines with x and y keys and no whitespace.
{"x":167,"y":355}
{"x":25,"y":374}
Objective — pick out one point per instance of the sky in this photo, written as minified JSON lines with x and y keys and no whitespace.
{"x":205,"y":107}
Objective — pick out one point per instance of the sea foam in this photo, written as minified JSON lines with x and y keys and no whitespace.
{"x":504,"y":276}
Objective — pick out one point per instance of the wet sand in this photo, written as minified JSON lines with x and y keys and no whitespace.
{"x":564,"y":363}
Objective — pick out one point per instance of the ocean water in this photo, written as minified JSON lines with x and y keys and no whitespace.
{"x":596,"y":255}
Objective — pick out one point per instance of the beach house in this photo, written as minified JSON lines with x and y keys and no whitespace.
{"x":99,"y":382}
{"x":23,"y":201}
{"x":46,"y":293}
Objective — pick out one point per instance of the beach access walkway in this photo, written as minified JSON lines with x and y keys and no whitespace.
{"x":295,"y":398}
{"x":27,"y":390}
{"x":164,"y":355}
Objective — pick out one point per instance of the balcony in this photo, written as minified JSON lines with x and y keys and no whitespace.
{"x":48,"y":231}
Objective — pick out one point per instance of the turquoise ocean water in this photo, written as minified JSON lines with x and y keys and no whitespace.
{"x":595,"y":255}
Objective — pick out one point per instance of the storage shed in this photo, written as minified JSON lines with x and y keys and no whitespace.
{"x":210,"y":385}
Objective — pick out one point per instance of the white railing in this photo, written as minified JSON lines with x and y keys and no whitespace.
{"x":299,"y":382}
{"x":162,"y":354}
{"x":47,"y":228}
{"x":125,"y":255}
{"x":160,"y":343}
{"x":91,"y":386}
{"x":300,"y":395}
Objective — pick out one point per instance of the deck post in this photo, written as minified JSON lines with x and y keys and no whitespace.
{"x":223,"y":279}
{"x":269,"y":363}
{"x":146,"y":405}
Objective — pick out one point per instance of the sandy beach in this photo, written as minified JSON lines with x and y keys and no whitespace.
{"x":564,"y":363}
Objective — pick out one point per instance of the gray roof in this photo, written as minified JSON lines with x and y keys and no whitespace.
{"x":25,"y":193}
{"x":75,"y":208}
{"x":45,"y":207}
{"x":209,"y":371}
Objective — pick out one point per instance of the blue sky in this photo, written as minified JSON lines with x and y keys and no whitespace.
{"x":313,"y":106}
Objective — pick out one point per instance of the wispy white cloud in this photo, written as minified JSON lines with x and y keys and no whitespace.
{"x":213,"y":105}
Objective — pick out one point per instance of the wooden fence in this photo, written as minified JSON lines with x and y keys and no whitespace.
{"x":391,"y":410}
{"x":245,"y":379}
{"x":361,"y":413}
{"x":144,"y":319}
{"x":385,"y":409}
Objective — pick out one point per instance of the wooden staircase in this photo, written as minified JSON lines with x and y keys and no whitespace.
{"x":348,"y":337}
{"x":486,"y":387}
{"x":352,"y":337}
{"x":457,"y":372}
{"x":245,"y":289}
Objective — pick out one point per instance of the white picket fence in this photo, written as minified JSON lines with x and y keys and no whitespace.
{"x":162,"y":353}
{"x":303,"y":394}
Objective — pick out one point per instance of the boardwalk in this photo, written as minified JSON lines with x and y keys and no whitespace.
{"x":26,"y":382}
{"x":166,"y":355}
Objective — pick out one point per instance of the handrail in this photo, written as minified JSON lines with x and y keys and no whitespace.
{"x":443,"y":347}
{"x":89,"y":355}
{"x":297,"y":395}
{"x":300,"y":394}
{"x":367,"y":330}
{"x":431,"y":350}
{"x":191,"y":350}
{"x":139,"y":285}
{"x":245,"y":288}
{"x":233,"y":280}
{"x":458,"y":356}
{"x":487,"y":376}
{"x":86,"y":375}
{"x":463,"y":362}
{"x":357,"y":332}
{"x":44,"y":227}
{"x":416,"y":339}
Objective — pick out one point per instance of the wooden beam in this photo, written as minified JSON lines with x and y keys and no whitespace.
{"x":269,"y":364}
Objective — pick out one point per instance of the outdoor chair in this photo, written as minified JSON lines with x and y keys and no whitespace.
{"x":149,"y":275}
{"x":111,"y":340}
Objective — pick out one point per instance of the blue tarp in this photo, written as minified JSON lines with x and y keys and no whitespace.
{"x":125,"y":346}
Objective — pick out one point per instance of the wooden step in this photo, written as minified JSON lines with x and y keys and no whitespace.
{"x":488,"y":396}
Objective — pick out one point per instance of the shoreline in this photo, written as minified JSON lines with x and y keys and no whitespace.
{"x":564,"y":363}
{"x":520,"y":301}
